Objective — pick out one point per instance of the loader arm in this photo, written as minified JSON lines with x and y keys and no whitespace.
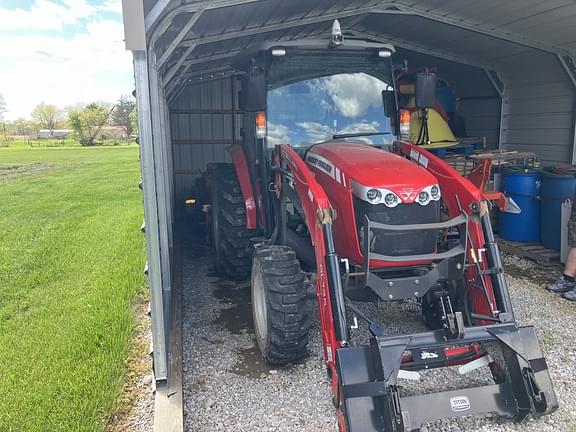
{"x":318,"y":217}
{"x":461,"y":195}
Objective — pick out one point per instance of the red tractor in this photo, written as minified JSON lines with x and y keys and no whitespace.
{"x":370,"y":218}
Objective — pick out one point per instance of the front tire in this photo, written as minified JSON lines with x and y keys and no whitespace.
{"x":281,"y":316}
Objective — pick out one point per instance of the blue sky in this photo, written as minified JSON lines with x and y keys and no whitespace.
{"x":61,"y":52}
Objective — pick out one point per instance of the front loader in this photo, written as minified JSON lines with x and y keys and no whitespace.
{"x":369,"y":218}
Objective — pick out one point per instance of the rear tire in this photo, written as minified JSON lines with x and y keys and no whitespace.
{"x":230,"y":238}
{"x":281,"y":316}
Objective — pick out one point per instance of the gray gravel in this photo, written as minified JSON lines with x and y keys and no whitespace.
{"x":228,"y":388}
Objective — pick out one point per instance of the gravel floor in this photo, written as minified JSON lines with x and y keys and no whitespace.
{"x":228,"y":388}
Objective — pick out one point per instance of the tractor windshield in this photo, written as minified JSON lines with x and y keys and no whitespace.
{"x":314,"y":95}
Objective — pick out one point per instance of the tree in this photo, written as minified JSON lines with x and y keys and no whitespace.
{"x":46,"y":116}
{"x":87,"y":122}
{"x":2,"y":107}
{"x":134,"y":120}
{"x":21,"y":127}
{"x":123,"y":114}
{"x":2,"y":111}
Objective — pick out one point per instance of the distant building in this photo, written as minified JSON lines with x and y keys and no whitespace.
{"x":56,"y":133}
{"x":112,"y":132}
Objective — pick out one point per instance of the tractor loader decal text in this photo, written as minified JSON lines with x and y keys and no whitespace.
{"x":326,"y":166}
{"x":415,"y":155}
{"x":459,"y":403}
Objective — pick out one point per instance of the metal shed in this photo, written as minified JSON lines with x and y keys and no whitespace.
{"x":512,"y":63}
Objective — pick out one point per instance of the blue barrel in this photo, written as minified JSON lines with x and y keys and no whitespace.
{"x":524,"y":189}
{"x":555,"y":190}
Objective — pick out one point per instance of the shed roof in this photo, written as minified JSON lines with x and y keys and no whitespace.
{"x":192,"y":38}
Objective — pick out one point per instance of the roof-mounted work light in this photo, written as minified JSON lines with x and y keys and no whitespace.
{"x":278,"y":52}
{"x":337,"y":38}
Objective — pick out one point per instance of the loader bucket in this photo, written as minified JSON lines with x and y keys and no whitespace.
{"x":369,"y":390}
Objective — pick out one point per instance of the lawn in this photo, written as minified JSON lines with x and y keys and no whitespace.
{"x":71,"y":261}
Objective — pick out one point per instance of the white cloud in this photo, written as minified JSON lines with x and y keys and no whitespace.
{"x":354,"y":93}
{"x":365,"y":127}
{"x":316,"y":132}
{"x":60,"y":70}
{"x":277,"y":134}
{"x":46,"y":15}
{"x":111,"y":6}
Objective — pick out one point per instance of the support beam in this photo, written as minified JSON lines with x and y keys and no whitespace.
{"x":155,"y":14}
{"x":388,"y":8}
{"x":385,"y":38}
{"x":149,"y":187}
{"x":497,"y":87}
{"x":176,"y":41}
{"x":165,"y":21}
{"x":500,"y":88}
{"x":170,"y":74}
{"x":377,"y":37}
{"x":477,"y":28}
{"x":283,"y":25}
{"x":570,"y":73}
{"x":175,"y":89}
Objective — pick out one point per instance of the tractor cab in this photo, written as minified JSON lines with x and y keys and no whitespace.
{"x":309,"y":91}
{"x":334,"y":102}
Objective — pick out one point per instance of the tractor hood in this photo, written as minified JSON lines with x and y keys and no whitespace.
{"x":357,"y":165}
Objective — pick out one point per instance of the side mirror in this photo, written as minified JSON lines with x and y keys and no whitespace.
{"x":252,"y":97}
{"x":391,"y":109}
{"x":425,"y":90}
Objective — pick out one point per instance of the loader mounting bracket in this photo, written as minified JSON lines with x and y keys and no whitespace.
{"x":368,"y":378}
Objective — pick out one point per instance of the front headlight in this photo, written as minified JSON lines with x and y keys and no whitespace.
{"x":373,"y":195}
{"x":423,"y":198}
{"x":391,"y":200}
{"x":430,"y":193}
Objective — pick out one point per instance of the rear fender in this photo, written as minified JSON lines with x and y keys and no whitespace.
{"x":241,"y":168}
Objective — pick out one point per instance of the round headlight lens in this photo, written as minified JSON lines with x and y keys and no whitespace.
{"x":423,"y":197}
{"x":373,"y":195}
{"x":434,"y":192}
{"x":390,"y":199}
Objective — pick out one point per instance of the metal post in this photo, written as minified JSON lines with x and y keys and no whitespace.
{"x":147,"y":166}
{"x":572,"y":79}
{"x":500,"y":88}
{"x":162,"y":192}
{"x":170,"y":170}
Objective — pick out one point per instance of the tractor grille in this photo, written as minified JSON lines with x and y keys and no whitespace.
{"x":398,"y":243}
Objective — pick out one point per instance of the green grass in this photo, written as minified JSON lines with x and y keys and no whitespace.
{"x":71,"y":260}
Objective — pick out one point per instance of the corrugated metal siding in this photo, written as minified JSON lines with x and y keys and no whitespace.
{"x":540,"y":103}
{"x":202,"y":120}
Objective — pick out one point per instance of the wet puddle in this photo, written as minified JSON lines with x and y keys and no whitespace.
{"x":238,"y":318}
{"x":251,"y":364}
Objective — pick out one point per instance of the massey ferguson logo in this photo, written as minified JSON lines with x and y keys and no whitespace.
{"x":408,"y":194}
{"x":319,"y":163}
{"x":460,"y":403}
